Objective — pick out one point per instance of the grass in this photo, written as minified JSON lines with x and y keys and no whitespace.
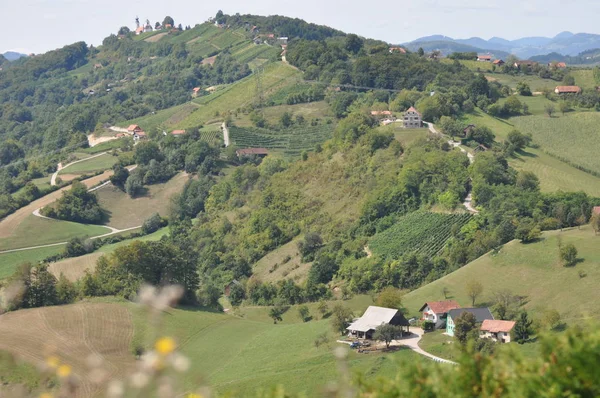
{"x":17,"y":372}
{"x":276,"y":266}
{"x":240,"y":356}
{"x":584,"y":78}
{"x":530,"y":270}
{"x":553,"y":173}
{"x":9,"y":262}
{"x":475,"y":66}
{"x":440,"y":345}
{"x":572,"y":137}
{"x":419,"y":232}
{"x":535,"y":103}
{"x":536,"y":83}
{"x":164,"y":119}
{"x":405,"y":136}
{"x":313,"y":110}
{"x":100,"y":163}
{"x":36,"y":231}
{"x":125,"y":212}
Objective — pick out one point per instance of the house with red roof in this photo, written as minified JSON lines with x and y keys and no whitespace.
{"x":133,"y":128}
{"x":139,"y":135}
{"x":177,"y":132}
{"x":567,"y":90}
{"x":498,"y":62}
{"x":557,"y":65}
{"x":399,"y":50}
{"x":484,"y":58}
{"x":437,"y":311}
{"x":412,"y":118}
{"x":496,"y":330}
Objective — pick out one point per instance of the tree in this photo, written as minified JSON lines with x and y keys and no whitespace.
{"x":387,"y":333}
{"x":152,"y":224}
{"x":124,"y":31}
{"x":564,"y":107}
{"x":323,"y":308}
{"x":527,"y":180}
{"x":390,"y":297}
{"x":568,"y":80}
{"x":482,"y":135}
{"x":523,"y":89}
{"x":168,"y":21}
{"x":66,"y":292}
{"x":341,"y":316}
{"x":527,"y":231}
{"x":512,"y":106}
{"x":549,"y":109}
{"x":78,"y":205}
{"x":522,"y":328}
{"x":276,"y":312}
{"x":354,"y":43}
{"x":551,"y":319}
{"x":236,"y":294}
{"x":308,"y":247}
{"x":568,"y":254}
{"x":304,"y":313}
{"x":134,"y":184}
{"x":420,"y":52}
{"x":464,"y":325}
{"x":145,"y":151}
{"x":286,"y":119}
{"x":119,"y":177}
{"x":220,"y":17}
{"x":474,"y":290}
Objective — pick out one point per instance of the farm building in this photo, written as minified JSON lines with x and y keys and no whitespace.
{"x":195,"y":91}
{"x":364,"y":327}
{"x":437,"y":311}
{"x":397,"y":50}
{"x":484,"y":58}
{"x":139,"y":135}
{"x":524,"y":64}
{"x":133,"y":128}
{"x":496,"y":330}
{"x":412,"y":118}
{"x":557,"y":65}
{"x":381,"y":113}
{"x":177,"y":132}
{"x":481,"y":314}
{"x":498,"y":62}
{"x":567,"y":90}
{"x":260,"y":152}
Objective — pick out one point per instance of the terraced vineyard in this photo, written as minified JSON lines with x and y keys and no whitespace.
{"x":291,"y":141}
{"x":254,"y":51}
{"x":213,"y":137}
{"x":419,"y":232}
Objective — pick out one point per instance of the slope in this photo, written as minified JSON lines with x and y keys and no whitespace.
{"x":530,"y":270}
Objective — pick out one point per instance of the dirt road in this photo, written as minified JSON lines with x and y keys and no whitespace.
{"x":61,"y":167}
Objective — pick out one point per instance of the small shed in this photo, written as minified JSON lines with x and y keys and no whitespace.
{"x":364,"y":327}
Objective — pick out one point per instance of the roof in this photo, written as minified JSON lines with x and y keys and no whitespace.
{"x":140,"y":134}
{"x":178,"y":132}
{"x":481,"y":314}
{"x":196,"y":89}
{"x":498,"y":61}
{"x":399,"y":49}
{"x":412,"y":109}
{"x":139,"y":29}
{"x":375,"y":113}
{"x":568,"y":89}
{"x":372,"y":318}
{"x":496,"y":326}
{"x":441,"y":307}
{"x":252,"y":151}
{"x":484,"y":57}
{"x":133,"y":127}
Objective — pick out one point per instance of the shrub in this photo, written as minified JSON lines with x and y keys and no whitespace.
{"x":153,"y":223}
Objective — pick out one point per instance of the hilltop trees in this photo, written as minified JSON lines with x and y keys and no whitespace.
{"x":76,"y":204}
{"x":353,"y":43}
{"x":168,"y":21}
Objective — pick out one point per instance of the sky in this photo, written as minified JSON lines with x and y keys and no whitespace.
{"x":36,"y":26}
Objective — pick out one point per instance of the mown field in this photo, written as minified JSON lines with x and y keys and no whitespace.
{"x":536,"y":83}
{"x":535,"y":103}
{"x":474,"y":65}
{"x":282,"y":263}
{"x":126,"y":212}
{"x":10,"y":261}
{"x":530,"y":270}
{"x":584,"y":78}
{"x":418,"y":232}
{"x":573,"y":137}
{"x":405,"y":136}
{"x":99,"y":163}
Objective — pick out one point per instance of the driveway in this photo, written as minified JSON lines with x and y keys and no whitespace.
{"x":412,"y":342}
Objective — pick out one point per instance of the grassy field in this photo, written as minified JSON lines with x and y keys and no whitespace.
{"x":405,"y":136}
{"x":535,"y":103}
{"x":573,"y":137}
{"x":475,"y":66}
{"x":36,"y":231}
{"x":536,"y":83}
{"x":312,"y":110}
{"x":276,"y":266}
{"x":554,"y":174}
{"x":10,"y":261}
{"x":419,"y":232}
{"x":440,"y":344}
{"x":164,"y":119}
{"x":100,"y":163}
{"x":74,"y":268}
{"x":125,"y":212}
{"x":73,"y":333}
{"x":584,"y":78}
{"x":16,"y":372}
{"x":530,"y":270}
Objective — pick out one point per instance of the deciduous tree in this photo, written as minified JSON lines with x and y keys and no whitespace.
{"x":387,"y":333}
{"x":341,"y":316}
{"x":568,"y":254}
{"x":474,"y":290}
{"x":464,"y":325}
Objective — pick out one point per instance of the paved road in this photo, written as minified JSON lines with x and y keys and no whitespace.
{"x":61,"y":167}
{"x":225,"y":134}
{"x":413,"y":343}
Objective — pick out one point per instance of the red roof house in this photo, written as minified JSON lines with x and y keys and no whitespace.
{"x":178,"y":132}
{"x":498,"y":62}
{"x":133,"y":128}
{"x":485,"y":58}
{"x":496,"y":330}
{"x":437,"y":311}
{"x":567,"y":90}
{"x":397,"y":50}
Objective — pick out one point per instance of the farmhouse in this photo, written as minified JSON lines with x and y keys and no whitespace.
{"x":177,"y":132}
{"x":524,"y":64}
{"x":484,"y":58}
{"x":481,"y":314}
{"x":557,"y":65}
{"x":437,"y":311}
{"x":133,"y":128}
{"x":496,"y":330}
{"x":364,"y":327}
{"x":397,"y":50}
{"x":498,"y":62}
{"x":412,"y":118}
{"x":567,"y":90}
{"x":260,"y":152}
{"x":195,"y":91}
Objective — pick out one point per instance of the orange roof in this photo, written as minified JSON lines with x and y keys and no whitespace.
{"x":561,"y":65}
{"x":498,"y":61}
{"x":441,"y":307}
{"x":139,"y":30}
{"x":399,"y":49}
{"x":386,"y":113}
{"x":178,"y":132}
{"x":484,"y":56}
{"x":412,"y":109}
{"x":496,"y":326}
{"x":196,"y":89}
{"x":568,"y":89}
{"x":133,"y":127}
{"x":141,"y":133}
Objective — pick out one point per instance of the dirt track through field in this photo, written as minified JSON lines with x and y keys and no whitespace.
{"x":73,"y":333}
{"x":11,"y":222}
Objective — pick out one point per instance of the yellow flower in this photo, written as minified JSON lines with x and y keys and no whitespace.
{"x":63,"y":371}
{"x":53,"y":362}
{"x":193,"y":395}
{"x":46,"y":395}
{"x":165,"y":345}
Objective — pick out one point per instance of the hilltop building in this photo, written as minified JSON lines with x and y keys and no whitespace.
{"x":412,"y":118}
{"x":364,"y":327}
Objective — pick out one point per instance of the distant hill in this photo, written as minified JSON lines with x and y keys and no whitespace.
{"x":588,"y":57}
{"x":564,"y":43}
{"x":13,"y":56}
{"x":449,"y":46}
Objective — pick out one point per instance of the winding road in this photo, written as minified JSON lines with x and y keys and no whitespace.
{"x":61,"y":167}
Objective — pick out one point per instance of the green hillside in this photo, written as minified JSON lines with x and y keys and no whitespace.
{"x":530,"y":270}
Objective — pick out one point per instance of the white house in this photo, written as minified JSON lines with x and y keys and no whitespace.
{"x":437,"y":311}
{"x":496,"y":330}
{"x":139,"y":135}
{"x":412,"y":118}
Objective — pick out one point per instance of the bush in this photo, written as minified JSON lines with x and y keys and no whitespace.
{"x":153,"y":223}
{"x":568,"y":254}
